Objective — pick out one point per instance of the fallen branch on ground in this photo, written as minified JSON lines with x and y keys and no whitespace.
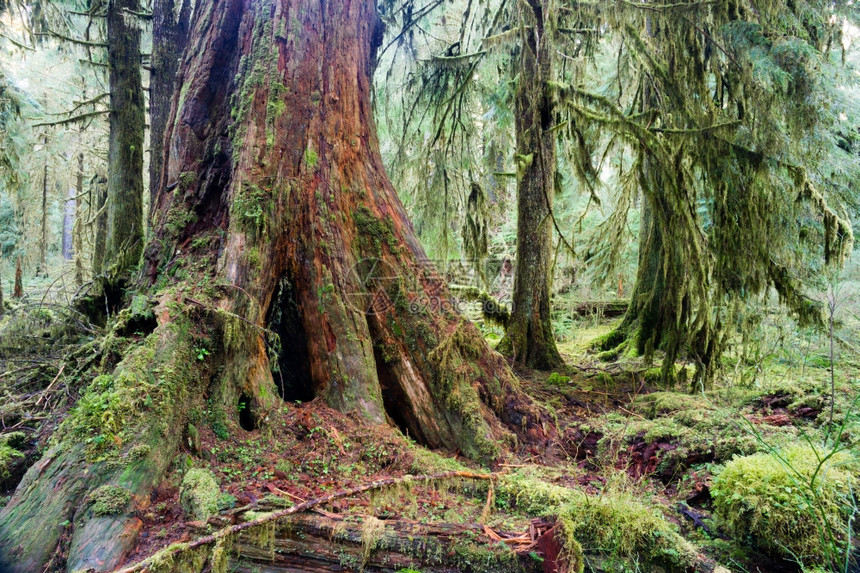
{"x":174,"y":550}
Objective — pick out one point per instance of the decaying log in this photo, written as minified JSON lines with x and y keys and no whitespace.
{"x":310,"y":542}
{"x":607,"y":309}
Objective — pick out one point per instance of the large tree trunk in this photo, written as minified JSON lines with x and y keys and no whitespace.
{"x":169,"y":36}
{"x":645,"y":319}
{"x":529,"y":338}
{"x":276,"y":216}
{"x":124,"y":240}
{"x":658,"y":318}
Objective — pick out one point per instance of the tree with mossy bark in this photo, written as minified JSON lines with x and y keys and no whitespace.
{"x":124,"y":238}
{"x":279,"y":246}
{"x":517,"y":45}
{"x":529,"y":337}
{"x":726,"y":118}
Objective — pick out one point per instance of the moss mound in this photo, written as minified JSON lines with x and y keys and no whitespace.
{"x":199,"y":494}
{"x":625,"y":530}
{"x":615,"y":525}
{"x":789,"y":503}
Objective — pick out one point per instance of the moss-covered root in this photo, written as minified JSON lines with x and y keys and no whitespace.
{"x":111,"y":451}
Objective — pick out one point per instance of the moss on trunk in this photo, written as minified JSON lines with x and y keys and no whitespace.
{"x":529,"y":337}
{"x":272,"y":184}
{"x":124,"y":237}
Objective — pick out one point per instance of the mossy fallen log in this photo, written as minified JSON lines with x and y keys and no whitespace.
{"x":309,"y":542}
{"x":605,"y":308}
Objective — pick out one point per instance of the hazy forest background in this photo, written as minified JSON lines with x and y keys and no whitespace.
{"x":584,"y":270}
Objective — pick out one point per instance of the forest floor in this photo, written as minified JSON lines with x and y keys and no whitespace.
{"x":618,"y":434}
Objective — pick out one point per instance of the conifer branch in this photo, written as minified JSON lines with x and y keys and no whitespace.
{"x":74,"y":119}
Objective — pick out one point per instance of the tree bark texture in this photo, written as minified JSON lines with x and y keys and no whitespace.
{"x":124,"y":239}
{"x":275,"y":217}
{"x":316,"y":543}
{"x":170,"y":20}
{"x":529,"y":337}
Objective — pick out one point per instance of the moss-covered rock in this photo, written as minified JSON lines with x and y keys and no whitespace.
{"x":199,"y":494}
{"x":788,"y":503}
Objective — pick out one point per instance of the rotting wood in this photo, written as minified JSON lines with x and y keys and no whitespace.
{"x":310,"y":504}
{"x":337,"y":543}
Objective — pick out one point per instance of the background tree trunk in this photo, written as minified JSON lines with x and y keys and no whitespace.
{"x":275,"y":215}
{"x":43,"y":240}
{"x":169,"y":36}
{"x":78,"y":231}
{"x":124,"y":239}
{"x":529,"y":337}
{"x":69,"y":208}
{"x":18,"y":290}
{"x":100,"y":193}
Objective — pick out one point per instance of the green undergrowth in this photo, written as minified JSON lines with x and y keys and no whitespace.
{"x":794,"y":502}
{"x":616,"y":524}
{"x":10,"y":449}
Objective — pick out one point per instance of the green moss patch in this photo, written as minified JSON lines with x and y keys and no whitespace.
{"x":199,"y":494}
{"x":792,"y":503}
{"x":109,"y":500}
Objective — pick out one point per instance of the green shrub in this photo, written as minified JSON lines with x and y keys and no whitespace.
{"x":614,"y":525}
{"x":790,"y":503}
{"x":7,"y":454}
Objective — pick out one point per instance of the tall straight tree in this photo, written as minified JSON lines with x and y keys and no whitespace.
{"x":169,"y":35}
{"x":529,"y":338}
{"x":275,"y":217}
{"x":124,"y":239}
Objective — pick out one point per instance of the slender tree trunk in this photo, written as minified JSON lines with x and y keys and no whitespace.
{"x":275,"y":213}
{"x":78,"y":230}
{"x":2,"y":303}
{"x":529,"y":338}
{"x":69,"y":208}
{"x":124,"y":239}
{"x":169,"y":36}
{"x":100,"y":221}
{"x":18,"y":291}
{"x":43,"y":241}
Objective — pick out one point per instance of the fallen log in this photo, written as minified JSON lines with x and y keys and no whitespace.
{"x":324,"y":543}
{"x":605,"y":308}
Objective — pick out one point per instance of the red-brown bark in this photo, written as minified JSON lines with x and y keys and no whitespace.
{"x":274,"y":213}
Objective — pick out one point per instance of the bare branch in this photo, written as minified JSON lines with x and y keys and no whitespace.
{"x":74,"y":119}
